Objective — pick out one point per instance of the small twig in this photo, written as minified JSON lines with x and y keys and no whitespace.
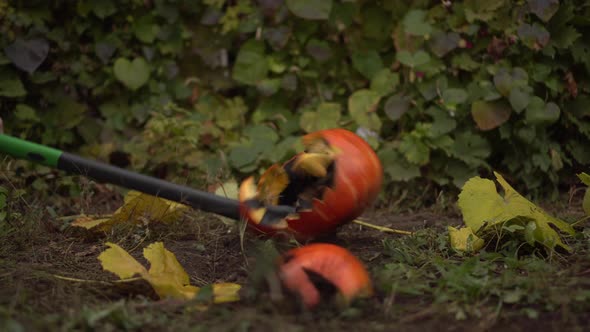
{"x":76,"y":216}
{"x":96,"y":281}
{"x":382,"y":228}
{"x":420,"y":315}
{"x":581,"y":220}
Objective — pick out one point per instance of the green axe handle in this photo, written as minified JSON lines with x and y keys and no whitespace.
{"x":102,"y":172}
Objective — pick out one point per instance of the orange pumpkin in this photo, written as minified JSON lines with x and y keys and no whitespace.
{"x":303,"y":269}
{"x":331,"y":183}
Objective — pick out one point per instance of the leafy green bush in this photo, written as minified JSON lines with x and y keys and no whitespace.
{"x":443,"y":90}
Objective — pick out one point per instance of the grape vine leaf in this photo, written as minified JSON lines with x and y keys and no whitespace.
{"x":483,"y":209}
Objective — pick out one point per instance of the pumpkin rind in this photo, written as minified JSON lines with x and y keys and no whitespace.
{"x":334,"y":263}
{"x":355,"y":185}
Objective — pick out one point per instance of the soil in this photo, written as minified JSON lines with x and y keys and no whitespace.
{"x":51,"y":280}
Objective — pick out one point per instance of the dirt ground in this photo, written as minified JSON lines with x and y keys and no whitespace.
{"x":51,"y":279}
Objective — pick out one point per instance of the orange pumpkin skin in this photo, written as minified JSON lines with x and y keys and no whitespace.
{"x":358,"y":176}
{"x":334,"y":263}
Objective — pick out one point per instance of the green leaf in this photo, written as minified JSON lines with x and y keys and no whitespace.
{"x":519,"y":99}
{"x":384,"y":82}
{"x":490,"y":115}
{"x":539,"y":113}
{"x":320,"y":50}
{"x":564,"y":36}
{"x":460,"y":171}
{"x":482,"y":10}
{"x":326,"y":117}
{"x":415,"y":150}
{"x":430,"y":89}
{"x":283,"y":149}
{"x":277,"y":37}
{"x":269,"y":86}
{"x":482,"y":90}
{"x":377,"y":23}
{"x":71,"y":112}
{"x":231,"y":115}
{"x":27,"y":55}
{"x":310,"y":9}
{"x":442,"y":123}
{"x":368,"y":62}
{"x":533,"y":36}
{"x":43,"y":77}
{"x":12,"y":86}
{"x":505,"y":80}
{"x":133,"y":74}
{"x":396,"y":106}
{"x":413,"y":60}
{"x":414,"y":23}
{"x":443,"y":43}
{"x":362,"y":106}
{"x":396,"y":166}
{"x":465,"y":62}
{"x":470,"y":148}
{"x":242,"y":156}
{"x":585,"y":178}
{"x":262,"y":140}
{"x":544,"y":9}
{"x":103,"y":9}
{"x":251,"y":65}
{"x":454,"y":96}
{"x":145,"y":29}
{"x":26,"y":113}
{"x":483,"y":208}
{"x":578,"y":149}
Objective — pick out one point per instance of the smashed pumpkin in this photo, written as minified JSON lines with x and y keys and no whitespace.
{"x":332,"y":182}
{"x":317,"y":271}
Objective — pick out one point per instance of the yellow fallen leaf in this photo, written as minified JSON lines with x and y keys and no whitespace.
{"x":482,"y":208}
{"x":226,"y":292}
{"x":117,"y":260}
{"x":137,"y":208}
{"x":166,"y":276}
{"x":464,"y":239}
{"x":228,"y":189}
{"x":89,"y":223}
{"x":139,"y":205}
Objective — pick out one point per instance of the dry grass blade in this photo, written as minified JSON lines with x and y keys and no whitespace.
{"x":382,"y":228}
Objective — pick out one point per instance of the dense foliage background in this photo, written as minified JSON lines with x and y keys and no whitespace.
{"x":202,"y":90}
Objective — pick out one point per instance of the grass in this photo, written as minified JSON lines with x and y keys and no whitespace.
{"x":51,"y":278}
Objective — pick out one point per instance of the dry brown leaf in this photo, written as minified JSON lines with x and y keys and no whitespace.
{"x":137,"y":208}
